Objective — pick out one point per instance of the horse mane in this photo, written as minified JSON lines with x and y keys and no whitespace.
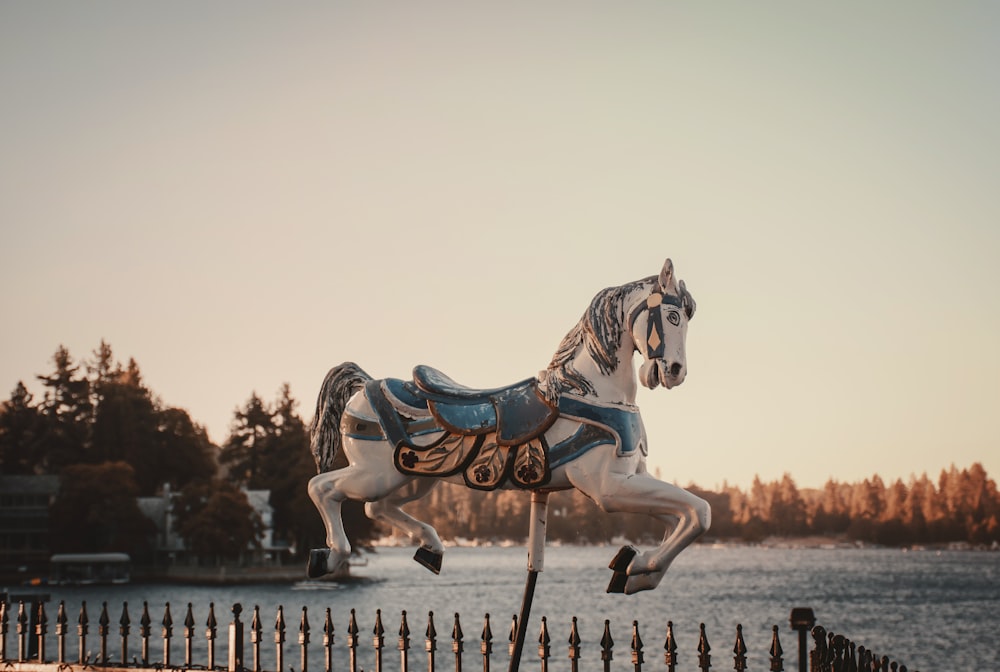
{"x":600,"y":331}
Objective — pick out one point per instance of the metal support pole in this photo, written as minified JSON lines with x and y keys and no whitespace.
{"x":536,"y":562}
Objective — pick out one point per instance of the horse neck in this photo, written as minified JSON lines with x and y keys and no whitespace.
{"x":618,"y":387}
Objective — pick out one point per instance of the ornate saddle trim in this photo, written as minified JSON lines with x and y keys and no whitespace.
{"x":486,"y":464}
{"x":623,"y":422}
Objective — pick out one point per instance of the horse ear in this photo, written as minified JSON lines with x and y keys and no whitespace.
{"x":666,"y":279}
{"x":687,"y":301}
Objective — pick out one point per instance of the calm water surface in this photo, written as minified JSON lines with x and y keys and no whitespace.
{"x":930,"y":610}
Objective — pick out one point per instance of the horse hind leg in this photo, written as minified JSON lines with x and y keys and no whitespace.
{"x":388,"y":509}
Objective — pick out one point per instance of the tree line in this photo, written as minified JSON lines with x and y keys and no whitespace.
{"x":111,"y":439}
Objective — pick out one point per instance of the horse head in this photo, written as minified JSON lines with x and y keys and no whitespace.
{"x":658,"y":325}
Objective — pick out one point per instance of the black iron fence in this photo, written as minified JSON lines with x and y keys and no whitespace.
{"x":31,"y":642}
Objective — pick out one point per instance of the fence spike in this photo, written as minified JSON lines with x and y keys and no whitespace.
{"x":304,"y":641}
{"x":430,"y":641}
{"x":256,"y":637}
{"x":4,"y":621}
{"x":378,"y":639}
{"x":670,"y":649}
{"x":352,"y":641}
{"x":486,"y":643}
{"x":22,"y":633}
{"x":41,"y":629}
{"x":704,"y":649}
{"x":636,"y":647}
{"x":124,"y":628}
{"x":512,"y":636}
{"x":606,"y":645}
{"x":61,"y":622}
{"x":574,"y":646}
{"x":404,"y":642}
{"x":82,"y":622}
{"x":328,"y":641}
{"x":168,"y":632}
{"x":817,"y":656}
{"x":279,"y":639}
{"x":777,"y":664}
{"x":103,"y":623}
{"x":739,"y":650}
{"x":544,"y":650}
{"x":456,"y":643}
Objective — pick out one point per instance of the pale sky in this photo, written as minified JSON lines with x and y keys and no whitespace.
{"x":243,"y":194}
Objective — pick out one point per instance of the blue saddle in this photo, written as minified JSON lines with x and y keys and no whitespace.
{"x":517,"y":413}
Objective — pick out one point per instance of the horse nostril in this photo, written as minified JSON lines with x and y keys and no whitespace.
{"x":675,"y":369}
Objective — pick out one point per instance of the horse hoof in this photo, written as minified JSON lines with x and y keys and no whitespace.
{"x":316,"y":566}
{"x":619,"y":564}
{"x":622,"y":559}
{"x":429,"y":559}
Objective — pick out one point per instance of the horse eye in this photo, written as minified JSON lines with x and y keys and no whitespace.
{"x":674,"y":317}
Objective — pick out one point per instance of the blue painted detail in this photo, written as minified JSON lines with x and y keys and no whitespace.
{"x":405,"y":392}
{"x":467,"y":418}
{"x":624,"y":423}
{"x":585,"y":438}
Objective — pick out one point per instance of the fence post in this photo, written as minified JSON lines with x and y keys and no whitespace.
{"x":168,"y":633}
{"x":352,"y":641}
{"x":486,"y":643}
{"x":211,"y":629}
{"x":817,"y":657}
{"x":637,"y":659}
{"x":543,"y":645}
{"x":456,"y":643}
{"x":606,"y":645}
{"x":378,"y":639}
{"x":103,"y":628}
{"x":304,"y":642}
{"x":124,"y":627}
{"x":22,"y":633}
{"x":144,"y":623}
{"x":704,"y":649}
{"x":279,"y":640}
{"x":739,"y":650}
{"x":670,"y":649}
{"x":777,"y":664}
{"x":61,"y":622}
{"x":4,"y":619}
{"x":256,"y":629}
{"x":188,"y":635}
{"x":404,"y":643}
{"x":328,"y":642}
{"x":430,"y":641}
{"x":41,"y":628}
{"x":236,"y":640}
{"x":81,"y":631}
{"x":802,"y":619}
{"x":574,"y":647}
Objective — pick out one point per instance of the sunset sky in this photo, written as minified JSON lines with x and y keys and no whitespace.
{"x":239,"y":195}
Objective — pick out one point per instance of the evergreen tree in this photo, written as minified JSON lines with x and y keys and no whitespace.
{"x":66,"y":413}
{"x":251,"y":429}
{"x":20,"y":433}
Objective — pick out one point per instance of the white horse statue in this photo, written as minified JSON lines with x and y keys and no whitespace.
{"x":575,"y":426}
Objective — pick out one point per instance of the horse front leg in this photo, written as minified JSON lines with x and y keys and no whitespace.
{"x":686,"y":516}
{"x":430,"y":551}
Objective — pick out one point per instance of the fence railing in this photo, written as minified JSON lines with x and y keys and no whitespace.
{"x":34,"y":651}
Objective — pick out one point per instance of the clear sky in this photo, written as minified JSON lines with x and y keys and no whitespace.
{"x":243,"y":194}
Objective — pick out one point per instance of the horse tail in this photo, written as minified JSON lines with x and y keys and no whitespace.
{"x":338,"y":387}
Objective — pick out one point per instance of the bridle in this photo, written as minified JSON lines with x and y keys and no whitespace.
{"x":653,"y":305}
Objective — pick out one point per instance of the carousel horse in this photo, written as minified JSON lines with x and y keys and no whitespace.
{"x":574,"y":426}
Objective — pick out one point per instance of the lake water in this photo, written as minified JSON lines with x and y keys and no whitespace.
{"x":932,"y":610}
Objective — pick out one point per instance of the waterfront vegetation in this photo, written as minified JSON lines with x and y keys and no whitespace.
{"x":111,"y":439}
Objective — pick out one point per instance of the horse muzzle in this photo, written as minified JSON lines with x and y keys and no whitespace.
{"x":661,"y":372}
